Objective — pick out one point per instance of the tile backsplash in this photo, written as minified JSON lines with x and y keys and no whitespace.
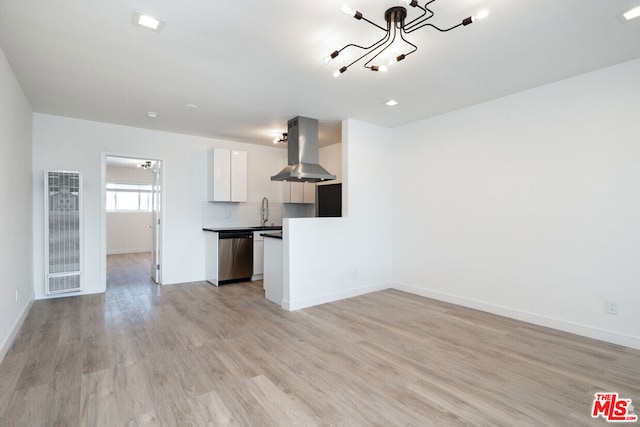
{"x":225,"y":214}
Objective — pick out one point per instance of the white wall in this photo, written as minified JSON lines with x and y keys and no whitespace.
{"x":72,"y":144}
{"x":129,"y":175}
{"x":128,"y":232}
{"x":528,"y":206}
{"x":331,"y":159}
{"x":15,"y":205}
{"x":327,"y":259}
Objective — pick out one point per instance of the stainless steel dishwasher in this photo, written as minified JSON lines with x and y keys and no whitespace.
{"x":235,"y":256}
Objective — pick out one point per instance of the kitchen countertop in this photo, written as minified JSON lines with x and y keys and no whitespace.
{"x":274,"y":235}
{"x":268,"y":228}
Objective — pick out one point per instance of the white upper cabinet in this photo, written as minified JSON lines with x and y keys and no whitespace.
{"x":239,"y":173}
{"x":299,"y":192}
{"x":227,"y":175}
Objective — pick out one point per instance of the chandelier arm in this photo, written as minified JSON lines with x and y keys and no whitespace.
{"x":425,"y":10}
{"x":413,"y":23}
{"x":372,"y":23}
{"x":366,"y":64}
{"x":442,"y":30}
{"x":365,"y":47}
{"x":372,"y":48}
{"x":408,"y":42}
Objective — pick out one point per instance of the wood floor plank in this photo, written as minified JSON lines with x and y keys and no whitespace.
{"x":132,"y":390}
{"x":64,"y":394}
{"x":27,"y":407}
{"x":280,"y":407}
{"x":10,"y":372}
{"x":195,"y":354}
{"x":209,"y":409}
{"x":149,"y":419}
{"x":98,"y":402}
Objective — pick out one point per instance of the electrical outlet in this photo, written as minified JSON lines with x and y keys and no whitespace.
{"x":612,"y":306}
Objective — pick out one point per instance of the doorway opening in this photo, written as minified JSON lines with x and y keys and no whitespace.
{"x":132,"y":195}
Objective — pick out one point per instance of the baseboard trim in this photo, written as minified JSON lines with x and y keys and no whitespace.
{"x":331,"y":297}
{"x":14,"y":330}
{"x":128,"y":251}
{"x":536,"y":319}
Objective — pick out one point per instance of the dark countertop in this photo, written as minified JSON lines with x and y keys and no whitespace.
{"x":215,"y":230}
{"x":273,"y":235}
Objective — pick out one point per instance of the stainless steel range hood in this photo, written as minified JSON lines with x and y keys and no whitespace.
{"x":304,"y":165}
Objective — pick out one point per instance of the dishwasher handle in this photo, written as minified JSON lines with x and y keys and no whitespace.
{"x":235,"y":235}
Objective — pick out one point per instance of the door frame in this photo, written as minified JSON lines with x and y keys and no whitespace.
{"x":103,"y":210}
{"x":157,"y":222}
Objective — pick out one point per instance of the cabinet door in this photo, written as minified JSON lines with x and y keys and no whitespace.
{"x":239,"y":176}
{"x":219,"y":175}
{"x":211,"y":252}
{"x":309,"y":192}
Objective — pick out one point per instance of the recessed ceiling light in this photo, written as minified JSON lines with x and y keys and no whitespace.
{"x":391,"y":102}
{"x":632,"y":13}
{"x":192,"y":106}
{"x":152,"y":114}
{"x":148,"y":21}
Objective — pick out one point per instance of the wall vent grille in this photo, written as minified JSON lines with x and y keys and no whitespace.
{"x":63,"y":231}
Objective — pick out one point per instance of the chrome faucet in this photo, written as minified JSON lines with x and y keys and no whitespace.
{"x":265,"y":211}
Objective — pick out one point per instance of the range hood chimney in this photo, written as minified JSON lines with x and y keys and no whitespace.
{"x":304,"y":163}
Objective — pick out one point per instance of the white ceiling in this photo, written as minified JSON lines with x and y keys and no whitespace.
{"x":251,"y":65}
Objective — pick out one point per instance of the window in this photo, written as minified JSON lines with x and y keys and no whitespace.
{"x":128,"y":197}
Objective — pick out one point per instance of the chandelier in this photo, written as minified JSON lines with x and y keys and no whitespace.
{"x":397,"y":28}
{"x":281,"y":140}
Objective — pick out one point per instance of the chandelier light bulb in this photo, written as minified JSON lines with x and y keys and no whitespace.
{"x":632,"y":13}
{"x":340,"y":71}
{"x":275,"y":140}
{"x":382,"y":68}
{"x":397,"y":59}
{"x":347,"y":10}
{"x":481,"y":14}
{"x":329,"y":58}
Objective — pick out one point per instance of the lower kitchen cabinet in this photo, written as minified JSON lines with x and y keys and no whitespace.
{"x":211,"y":251}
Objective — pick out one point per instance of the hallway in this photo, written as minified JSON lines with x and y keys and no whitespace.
{"x":129,"y":273}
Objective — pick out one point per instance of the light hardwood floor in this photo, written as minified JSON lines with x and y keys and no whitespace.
{"x":194,"y":354}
